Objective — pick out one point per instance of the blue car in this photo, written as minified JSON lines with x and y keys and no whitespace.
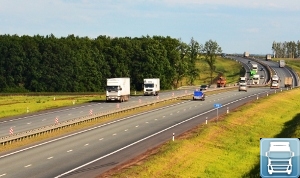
{"x":199,"y":95}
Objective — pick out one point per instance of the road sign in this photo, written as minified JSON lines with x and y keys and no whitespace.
{"x":217,"y":105}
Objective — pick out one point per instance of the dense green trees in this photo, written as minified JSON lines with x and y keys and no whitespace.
{"x":289,"y":49}
{"x":81,"y":64}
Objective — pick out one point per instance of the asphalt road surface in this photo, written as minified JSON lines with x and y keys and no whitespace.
{"x":91,"y":152}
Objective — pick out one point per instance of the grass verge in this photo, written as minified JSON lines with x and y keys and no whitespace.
{"x":85,"y":125}
{"x":229,"y":149}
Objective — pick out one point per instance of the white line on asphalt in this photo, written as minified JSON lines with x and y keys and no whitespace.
{"x":114,"y":134}
{"x":126,"y":130}
{"x":69,"y":151}
{"x":29,"y":123}
{"x":86,"y":144}
{"x":146,"y":122}
{"x":101,"y":139}
{"x":51,"y":112}
{"x":50,"y":157}
{"x":2,"y":175}
{"x":28,"y":165}
{"x":137,"y":126}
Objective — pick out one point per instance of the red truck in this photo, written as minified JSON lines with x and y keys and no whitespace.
{"x":221,"y":82}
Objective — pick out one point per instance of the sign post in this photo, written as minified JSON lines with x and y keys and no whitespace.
{"x":217,"y":105}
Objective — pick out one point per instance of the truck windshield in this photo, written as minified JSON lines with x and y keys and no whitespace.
{"x":112,"y":88}
{"x":151,"y":85}
{"x":280,"y":154}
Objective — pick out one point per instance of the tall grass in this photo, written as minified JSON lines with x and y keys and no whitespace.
{"x":229,"y":149}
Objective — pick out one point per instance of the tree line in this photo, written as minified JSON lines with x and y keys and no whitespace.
{"x":286,"y":49}
{"x":81,"y":64}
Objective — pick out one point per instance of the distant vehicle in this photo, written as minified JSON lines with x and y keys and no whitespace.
{"x":275,"y":82}
{"x":221,"y":82}
{"x":261,"y":69}
{"x":262,"y":77}
{"x":254,"y":67}
{"x":268,"y":57}
{"x":243,"y":80}
{"x":255,"y":79}
{"x":199,"y":95}
{"x":151,"y":86}
{"x":223,"y":55}
{"x":243,"y":87}
{"x":246,"y":54}
{"x":204,"y":87}
{"x":249,"y":62}
{"x":288,"y":82}
{"x":281,"y":63}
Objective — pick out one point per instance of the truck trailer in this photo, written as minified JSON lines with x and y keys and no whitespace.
{"x":268,"y":57}
{"x":246,"y":54}
{"x":281,"y":63}
{"x":288,"y":82}
{"x":118,"y":89}
{"x":151,"y":86}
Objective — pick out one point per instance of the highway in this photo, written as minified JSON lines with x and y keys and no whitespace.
{"x":25,"y":123}
{"x":93,"y":151}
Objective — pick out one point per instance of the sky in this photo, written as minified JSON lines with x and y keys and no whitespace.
{"x":236,"y":25}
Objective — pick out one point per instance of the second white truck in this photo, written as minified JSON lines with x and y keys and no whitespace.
{"x":151,"y":86}
{"x":118,"y":89}
{"x":275,"y":82}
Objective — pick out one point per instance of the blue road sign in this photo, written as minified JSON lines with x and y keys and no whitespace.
{"x":217,"y":105}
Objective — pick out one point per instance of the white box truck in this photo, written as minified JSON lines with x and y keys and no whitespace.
{"x":246,"y":54}
{"x":255,"y":79}
{"x":243,"y":81}
{"x":254,"y":67}
{"x":151,"y":86}
{"x":118,"y":89}
{"x":281,"y":63}
{"x":268,"y":57}
{"x":280,"y":158}
{"x":275,"y":82}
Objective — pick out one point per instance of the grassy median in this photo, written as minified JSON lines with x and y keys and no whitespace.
{"x":229,"y":149}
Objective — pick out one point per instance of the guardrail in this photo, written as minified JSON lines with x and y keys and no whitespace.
{"x":54,"y":127}
{"x":77,"y":121}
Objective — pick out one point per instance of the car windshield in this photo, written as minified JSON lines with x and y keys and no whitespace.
{"x":203,"y":86}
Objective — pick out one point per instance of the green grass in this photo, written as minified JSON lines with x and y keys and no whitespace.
{"x":227,"y":149}
{"x":18,"y":104}
{"x":231,"y":70}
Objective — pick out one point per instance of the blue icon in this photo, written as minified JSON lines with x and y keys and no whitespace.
{"x":217,"y":105}
{"x":279,"y":157}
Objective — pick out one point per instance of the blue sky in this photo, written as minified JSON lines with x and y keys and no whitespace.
{"x":236,"y":25}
